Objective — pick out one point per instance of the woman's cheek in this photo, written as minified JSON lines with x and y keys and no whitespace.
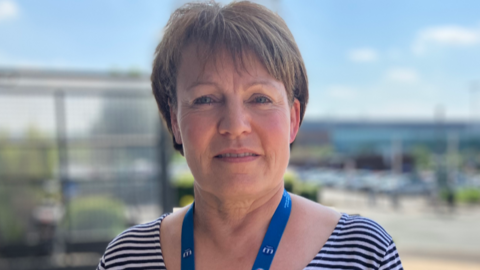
{"x":275,"y":124}
{"x":196,"y":129}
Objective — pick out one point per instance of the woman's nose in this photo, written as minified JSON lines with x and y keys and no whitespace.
{"x":235,"y":120}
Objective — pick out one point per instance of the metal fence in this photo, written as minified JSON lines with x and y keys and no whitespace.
{"x":77,"y":167}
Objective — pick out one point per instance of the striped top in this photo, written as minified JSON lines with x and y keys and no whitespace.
{"x":357,"y":243}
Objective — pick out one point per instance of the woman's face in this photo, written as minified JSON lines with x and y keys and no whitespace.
{"x":235,"y":125}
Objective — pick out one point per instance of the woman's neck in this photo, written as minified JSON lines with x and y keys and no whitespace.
{"x":221,"y":219}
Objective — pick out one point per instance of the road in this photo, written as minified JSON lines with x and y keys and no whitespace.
{"x":427,"y":237}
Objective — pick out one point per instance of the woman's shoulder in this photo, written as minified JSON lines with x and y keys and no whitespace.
{"x":360,"y":241}
{"x":138,"y":232}
{"x":344,"y":240}
{"x":342,"y":225}
{"x":358,"y":226}
{"x":137,"y":246}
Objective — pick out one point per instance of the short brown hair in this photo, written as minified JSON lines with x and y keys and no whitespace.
{"x":238,"y":27}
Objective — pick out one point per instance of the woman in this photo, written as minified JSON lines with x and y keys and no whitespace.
{"x":232,"y":88}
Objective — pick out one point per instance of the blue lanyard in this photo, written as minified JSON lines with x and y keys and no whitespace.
{"x":267,"y":249}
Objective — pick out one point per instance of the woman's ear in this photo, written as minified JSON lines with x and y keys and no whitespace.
{"x":294,"y":120}
{"x":175,"y":126}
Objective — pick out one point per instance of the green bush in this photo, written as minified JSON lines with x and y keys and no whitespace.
{"x":295,"y":186}
{"x":444,"y":194}
{"x":184,"y":187}
{"x":16,"y":204}
{"x":309,"y":191}
{"x":468,"y":195}
{"x":11,"y":228}
{"x":463,"y":195}
{"x":291,"y":181}
{"x":96,"y":213}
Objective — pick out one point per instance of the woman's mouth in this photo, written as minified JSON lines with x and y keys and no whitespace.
{"x":237,"y":157}
{"x":233,"y":155}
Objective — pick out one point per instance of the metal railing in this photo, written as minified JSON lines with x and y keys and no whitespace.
{"x":64,"y":194}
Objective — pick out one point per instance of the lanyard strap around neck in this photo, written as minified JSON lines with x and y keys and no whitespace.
{"x":188,"y":256}
{"x":267,"y":249}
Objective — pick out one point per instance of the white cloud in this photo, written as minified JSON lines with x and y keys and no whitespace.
{"x":8,"y":10}
{"x":363,"y":55}
{"x":341,"y":92}
{"x":403,"y":75}
{"x":389,"y":100}
{"x":454,"y":36}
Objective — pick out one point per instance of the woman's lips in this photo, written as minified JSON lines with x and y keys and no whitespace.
{"x":237,"y":157}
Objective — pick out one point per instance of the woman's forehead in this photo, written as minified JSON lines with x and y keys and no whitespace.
{"x":199,"y":66}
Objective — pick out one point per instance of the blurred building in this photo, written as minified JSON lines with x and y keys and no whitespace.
{"x":389,"y":138}
{"x":87,"y":155}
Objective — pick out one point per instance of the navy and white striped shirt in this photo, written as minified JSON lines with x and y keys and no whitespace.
{"x":357,"y":243}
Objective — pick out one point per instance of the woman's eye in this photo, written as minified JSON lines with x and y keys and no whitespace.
{"x":203,"y":100}
{"x":262,"y":100}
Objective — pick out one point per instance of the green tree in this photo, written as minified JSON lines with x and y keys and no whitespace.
{"x":423,"y":157}
{"x":124,"y":116}
{"x":24,"y":163}
{"x":127,"y":115}
{"x":31,"y":158}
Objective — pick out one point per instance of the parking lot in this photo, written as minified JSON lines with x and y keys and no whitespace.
{"x":427,"y":236}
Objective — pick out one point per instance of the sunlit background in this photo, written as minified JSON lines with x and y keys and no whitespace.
{"x":392,"y":130}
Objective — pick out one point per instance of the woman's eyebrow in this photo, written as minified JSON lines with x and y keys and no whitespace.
{"x":267,"y":83}
{"x":198,"y":83}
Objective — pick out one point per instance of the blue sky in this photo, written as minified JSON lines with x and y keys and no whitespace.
{"x":365,"y":59}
